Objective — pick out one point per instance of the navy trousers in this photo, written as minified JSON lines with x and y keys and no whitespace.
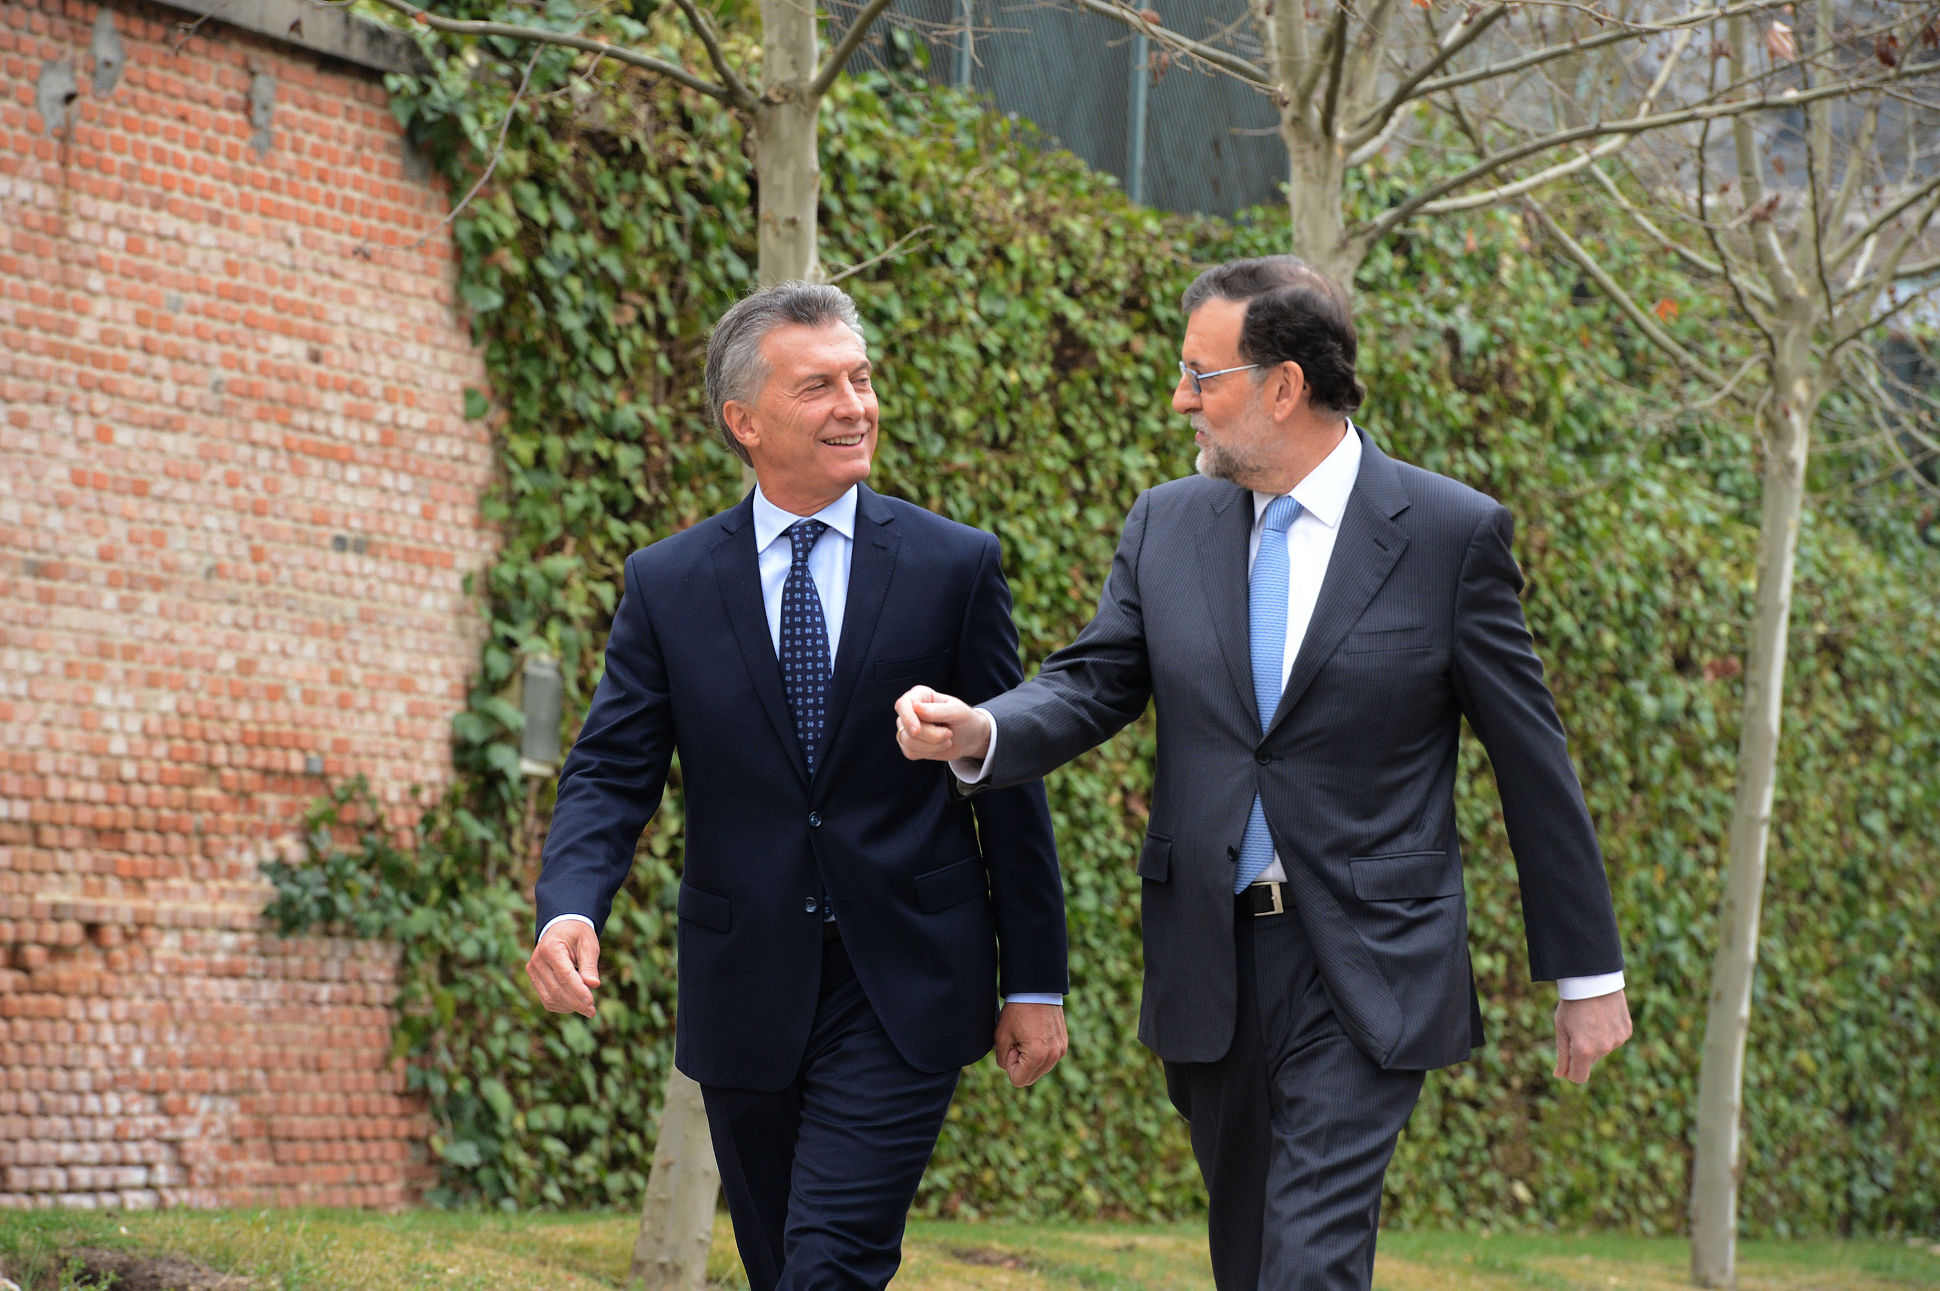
{"x":1293,"y":1129}
{"x":819,"y":1175}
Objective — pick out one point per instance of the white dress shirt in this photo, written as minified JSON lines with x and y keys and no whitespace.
{"x":828,"y":563}
{"x":1322,"y":496}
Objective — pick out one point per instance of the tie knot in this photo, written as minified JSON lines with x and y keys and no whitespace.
{"x":803,"y":534}
{"x":1280,"y":513}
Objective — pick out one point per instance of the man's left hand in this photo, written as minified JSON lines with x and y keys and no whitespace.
{"x":1030,"y":1040}
{"x":1587,"y":1030}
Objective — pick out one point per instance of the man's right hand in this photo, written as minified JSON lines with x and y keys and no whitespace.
{"x":939,"y":728}
{"x":565,"y":967}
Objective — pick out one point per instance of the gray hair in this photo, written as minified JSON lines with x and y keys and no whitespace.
{"x":736,"y":369}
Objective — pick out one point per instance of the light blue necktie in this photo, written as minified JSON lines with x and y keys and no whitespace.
{"x":1266,"y":622}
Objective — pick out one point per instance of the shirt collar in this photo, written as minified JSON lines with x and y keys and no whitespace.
{"x":1323,"y":494}
{"x":770,"y":521}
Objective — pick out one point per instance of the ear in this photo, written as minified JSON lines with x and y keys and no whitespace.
{"x":740,"y":424}
{"x":1286,"y":390}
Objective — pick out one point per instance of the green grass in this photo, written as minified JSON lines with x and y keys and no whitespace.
{"x":316,"y":1250}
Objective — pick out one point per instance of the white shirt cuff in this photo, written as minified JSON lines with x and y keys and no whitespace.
{"x":1034,"y":997}
{"x":973,"y":770}
{"x":557,"y":918}
{"x":1588,"y":988}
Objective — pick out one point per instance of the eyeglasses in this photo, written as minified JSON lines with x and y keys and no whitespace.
{"x":1199,"y":379}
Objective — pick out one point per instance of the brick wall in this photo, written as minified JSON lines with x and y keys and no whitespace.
{"x":237,"y":500}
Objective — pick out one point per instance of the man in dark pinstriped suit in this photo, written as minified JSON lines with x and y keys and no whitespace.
{"x":1313,"y":620}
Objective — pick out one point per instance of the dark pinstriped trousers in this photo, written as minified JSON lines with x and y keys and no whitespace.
{"x":1293,"y":1128}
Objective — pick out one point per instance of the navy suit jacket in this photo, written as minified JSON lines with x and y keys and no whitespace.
{"x":933,"y":895}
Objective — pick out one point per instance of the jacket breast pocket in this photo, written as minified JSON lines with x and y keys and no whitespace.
{"x":1386,"y":640}
{"x":1406,"y":876}
{"x":931,"y":667}
{"x":708,"y":909}
{"x":953,"y":884}
{"x":1155,"y":858}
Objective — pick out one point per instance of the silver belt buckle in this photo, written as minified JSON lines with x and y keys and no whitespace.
{"x":1279,"y":906}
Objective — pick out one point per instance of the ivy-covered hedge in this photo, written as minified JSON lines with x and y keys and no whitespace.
{"x":1026,"y":338}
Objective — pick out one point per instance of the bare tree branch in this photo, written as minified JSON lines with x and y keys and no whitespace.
{"x":1224,"y":60}
{"x":887,"y":252}
{"x":1892,"y":211}
{"x":1919,"y":269}
{"x":739,"y":94}
{"x":491,"y":164}
{"x":1709,"y":268}
{"x":1640,"y":317}
{"x":1322,"y":63}
{"x":619,"y":53}
{"x":1847,"y":322}
{"x":1458,"y":38}
{"x":1574,"y":164}
{"x":1629,"y":126}
{"x":1625,"y":31}
{"x":839,"y":56}
{"x":1337,"y":57}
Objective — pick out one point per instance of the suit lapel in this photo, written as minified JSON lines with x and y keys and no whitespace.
{"x":738,"y":575}
{"x":1223,"y":539}
{"x":1365,"y":551}
{"x":872,"y":563}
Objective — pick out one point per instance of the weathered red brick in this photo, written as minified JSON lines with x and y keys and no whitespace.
{"x":193,"y":356}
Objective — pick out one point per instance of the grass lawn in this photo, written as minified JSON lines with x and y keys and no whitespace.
{"x":354,"y":1251}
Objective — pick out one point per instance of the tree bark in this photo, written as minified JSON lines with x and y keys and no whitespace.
{"x":787,"y":165}
{"x":677,"y":1221}
{"x":1721,"y":1077}
{"x":1315,"y":203}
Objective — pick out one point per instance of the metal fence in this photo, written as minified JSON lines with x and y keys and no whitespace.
{"x":1176,"y":136}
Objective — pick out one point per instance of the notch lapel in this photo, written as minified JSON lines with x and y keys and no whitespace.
{"x":1222,"y":556}
{"x":738,"y":575}
{"x":872,"y":564}
{"x":1365,"y":552}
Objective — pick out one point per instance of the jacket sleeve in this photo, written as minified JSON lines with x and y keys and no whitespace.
{"x":1567,"y":913}
{"x":1013,"y":824}
{"x":614,"y":776}
{"x":1088,"y":691}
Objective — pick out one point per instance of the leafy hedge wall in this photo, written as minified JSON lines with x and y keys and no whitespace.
{"x":1025,"y":341}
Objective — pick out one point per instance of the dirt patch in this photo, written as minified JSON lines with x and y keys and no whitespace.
{"x":986,"y":1257}
{"x":133,"y":1271}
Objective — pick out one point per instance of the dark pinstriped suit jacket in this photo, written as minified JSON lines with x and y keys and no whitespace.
{"x":1418,"y":625}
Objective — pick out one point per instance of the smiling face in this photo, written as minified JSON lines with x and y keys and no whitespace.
{"x":810,"y":430}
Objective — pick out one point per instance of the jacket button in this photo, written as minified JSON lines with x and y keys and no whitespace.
{"x":814,"y":820}
{"x":808,"y":905}
{"x":1232,"y":853}
{"x":1263,"y":758}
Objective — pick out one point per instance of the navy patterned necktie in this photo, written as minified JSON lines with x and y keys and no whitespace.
{"x":805,"y":643}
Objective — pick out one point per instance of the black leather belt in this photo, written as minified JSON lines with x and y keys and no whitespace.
{"x":830,"y":931}
{"x":1262,"y":899}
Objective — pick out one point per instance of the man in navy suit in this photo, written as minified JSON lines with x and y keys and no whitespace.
{"x":845,"y":921}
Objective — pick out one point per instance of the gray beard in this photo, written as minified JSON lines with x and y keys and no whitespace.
{"x":1217,"y":463}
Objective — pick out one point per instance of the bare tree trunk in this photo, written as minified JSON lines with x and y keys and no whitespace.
{"x":677,"y":1222}
{"x":787,"y":165}
{"x":1721,"y":1078}
{"x":1315,"y":203}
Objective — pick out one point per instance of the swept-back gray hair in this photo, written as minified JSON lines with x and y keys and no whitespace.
{"x":735,"y":368}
